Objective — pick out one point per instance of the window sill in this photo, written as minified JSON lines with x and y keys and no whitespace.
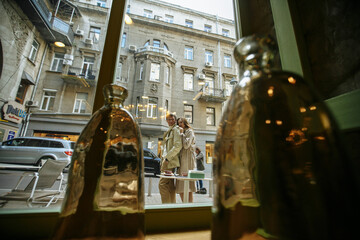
{"x":31,"y":61}
{"x":38,"y":223}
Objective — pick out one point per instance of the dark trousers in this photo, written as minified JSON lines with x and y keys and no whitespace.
{"x":199,"y":184}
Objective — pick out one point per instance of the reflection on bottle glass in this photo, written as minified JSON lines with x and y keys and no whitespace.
{"x":105,"y":193}
{"x":280,"y":169}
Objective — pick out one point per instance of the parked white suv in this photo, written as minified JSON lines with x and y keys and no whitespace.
{"x":32,"y":150}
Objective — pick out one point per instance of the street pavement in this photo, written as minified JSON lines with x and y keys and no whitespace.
{"x":152,"y":196}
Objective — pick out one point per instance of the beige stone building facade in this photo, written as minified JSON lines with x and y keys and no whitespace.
{"x":172,"y":59}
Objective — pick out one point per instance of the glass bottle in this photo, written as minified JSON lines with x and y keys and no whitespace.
{"x":105,"y":192}
{"x":280,"y":169}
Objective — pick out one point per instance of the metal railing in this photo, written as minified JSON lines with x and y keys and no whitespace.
{"x":155,"y":49}
{"x":81,"y":72}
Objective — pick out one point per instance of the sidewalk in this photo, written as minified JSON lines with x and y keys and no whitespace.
{"x":151,"y":198}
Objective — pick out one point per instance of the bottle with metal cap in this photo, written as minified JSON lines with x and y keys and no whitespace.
{"x":280,"y":169}
{"x":105,"y":192}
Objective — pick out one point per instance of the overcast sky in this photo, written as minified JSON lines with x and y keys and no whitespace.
{"x":223,"y":8}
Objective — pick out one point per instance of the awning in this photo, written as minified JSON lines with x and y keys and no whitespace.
{"x":26,"y":77}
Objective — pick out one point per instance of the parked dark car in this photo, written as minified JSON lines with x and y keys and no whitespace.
{"x":152,"y":162}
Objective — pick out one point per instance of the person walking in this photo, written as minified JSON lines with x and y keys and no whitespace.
{"x":170,"y":149}
{"x":199,"y":166}
{"x":187,"y":157}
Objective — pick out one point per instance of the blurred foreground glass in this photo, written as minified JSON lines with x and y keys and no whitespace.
{"x":105,"y":192}
{"x":280,"y":169}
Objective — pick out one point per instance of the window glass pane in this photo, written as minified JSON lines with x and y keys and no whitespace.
{"x":66,"y":89}
{"x":227,"y":61}
{"x":34,"y":50}
{"x":210,"y":116}
{"x":188,"y":113}
{"x":188,"y":81}
{"x":123,"y":40}
{"x":155,"y":72}
{"x":209,"y":56}
{"x":189,"y":23}
{"x":188,"y":53}
{"x":94,"y":34}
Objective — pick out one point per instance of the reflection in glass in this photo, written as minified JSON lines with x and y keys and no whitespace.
{"x":281,"y":172}
{"x":105,"y":194}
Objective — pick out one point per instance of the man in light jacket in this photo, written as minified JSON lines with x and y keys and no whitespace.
{"x":170,"y":160}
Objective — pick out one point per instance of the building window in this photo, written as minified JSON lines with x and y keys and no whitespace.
{"x":209,"y":147}
{"x":33,"y":51}
{"x":225,"y":32}
{"x":118,"y":72}
{"x":209,"y":86}
{"x":87,"y":66}
{"x":148,"y":13}
{"x":189,"y":52}
{"x":80,"y":103}
{"x":169,"y":18}
{"x":57,"y":62}
{"x":189,"y":23}
{"x":207,"y":28}
{"x":227,"y":61}
{"x":141,"y":76}
{"x":152,"y":108}
{"x":167,"y":75}
{"x":210,"y":116}
{"x":123,"y":40}
{"x":156,"y":45}
{"x":21,"y":92}
{"x":209,"y":56}
{"x":137,"y":107}
{"x":155,"y":72}
{"x":94,"y":34}
{"x":228,"y":88}
{"x":101,"y":3}
{"x":48,"y":99}
{"x":188,"y":113}
{"x":188,"y":81}
{"x":166,"y":107}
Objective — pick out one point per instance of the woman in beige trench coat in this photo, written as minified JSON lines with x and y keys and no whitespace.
{"x":187,"y":157}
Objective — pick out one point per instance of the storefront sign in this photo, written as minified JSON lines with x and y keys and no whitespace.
{"x":13,"y":112}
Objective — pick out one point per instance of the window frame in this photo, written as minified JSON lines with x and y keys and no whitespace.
{"x":169,"y":18}
{"x":155,"y":73}
{"x":225,"y":32}
{"x":148,"y":13}
{"x":207,"y":28}
{"x":94,"y":34}
{"x":23,"y":84}
{"x":189,"y":53}
{"x":50,"y":99}
{"x":187,"y":83}
{"x":89,"y":66}
{"x":123,"y":40}
{"x":167,"y":75}
{"x":81,"y":101}
{"x":189,"y":23}
{"x":190,"y":120}
{"x":209,"y":56}
{"x":34,"y":51}
{"x":212,"y":114}
{"x":227,"y":59}
{"x":59,"y":62}
{"x":151,"y":108}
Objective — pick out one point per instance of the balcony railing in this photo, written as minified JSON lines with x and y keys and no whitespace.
{"x":66,"y":34}
{"x":155,"y":49}
{"x":80,"y":76}
{"x":212,"y":94}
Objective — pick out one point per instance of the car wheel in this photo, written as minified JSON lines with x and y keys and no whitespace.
{"x":42,"y":161}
